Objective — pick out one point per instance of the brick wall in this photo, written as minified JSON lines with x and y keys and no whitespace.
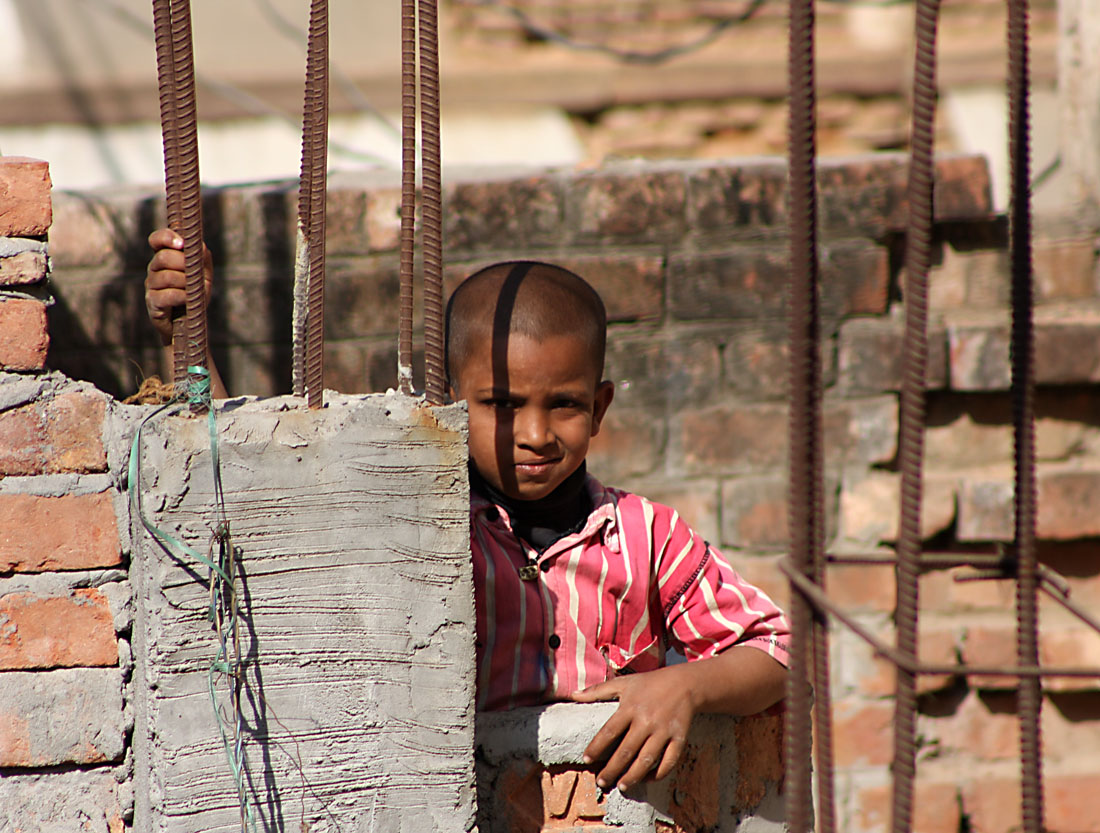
{"x":64,"y":594}
{"x":691,"y":260}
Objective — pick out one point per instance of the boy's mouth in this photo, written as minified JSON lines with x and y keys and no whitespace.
{"x":537,"y":466}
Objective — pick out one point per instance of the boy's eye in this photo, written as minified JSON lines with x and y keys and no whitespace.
{"x":500,"y":403}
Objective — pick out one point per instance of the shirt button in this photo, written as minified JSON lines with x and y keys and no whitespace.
{"x":554,"y":641}
{"x":545,"y":566}
{"x":492,"y":515}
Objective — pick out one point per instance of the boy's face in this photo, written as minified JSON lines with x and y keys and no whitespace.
{"x":533,"y":415}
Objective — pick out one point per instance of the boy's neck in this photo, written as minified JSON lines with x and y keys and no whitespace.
{"x":542,"y":521}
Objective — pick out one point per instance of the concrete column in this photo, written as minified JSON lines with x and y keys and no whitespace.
{"x":1079,"y":93}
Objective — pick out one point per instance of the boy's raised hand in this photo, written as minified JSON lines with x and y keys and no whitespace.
{"x":166,"y":281}
{"x":649,"y":729}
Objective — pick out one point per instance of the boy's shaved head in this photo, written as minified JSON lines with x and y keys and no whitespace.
{"x":528,"y":298}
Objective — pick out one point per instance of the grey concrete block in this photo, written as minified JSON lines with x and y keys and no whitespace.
{"x":356,"y":619}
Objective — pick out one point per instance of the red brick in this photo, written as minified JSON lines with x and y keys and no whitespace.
{"x":1067,"y":351}
{"x":630,"y":443}
{"x":748,"y":194}
{"x":83,"y":234}
{"x":870,"y":508}
{"x":750,"y":282}
{"x":984,"y":727}
{"x":759,"y":740}
{"x":345,"y":217}
{"x":963,"y":190}
{"x":63,"y":434}
{"x":634,"y":207}
{"x":74,"y":432}
{"x":1064,"y":268}
{"x":57,"y":631}
{"x":937,"y":646}
{"x":991,"y":645}
{"x":570,"y":798}
{"x":696,"y":501}
{"x":993,"y":804}
{"x":863,"y":735}
{"x":739,"y":438}
{"x":632,"y":288}
{"x":22,"y":441}
{"x":358,"y":303}
{"x":1077,"y":647}
{"x":978,"y":356}
{"x":71,"y":532}
{"x":755,"y":512}
{"x":757,"y":363}
{"x":24,"y":339}
{"x":22,"y":268}
{"x":504,"y":214}
{"x":870,"y":356}
{"x":383,"y":219}
{"x":1071,"y":803}
{"x":25,"y":209}
{"x":985,"y":509}
{"x":663,"y":374}
{"x":694,"y":789}
{"x":935,"y":808}
{"x":862,"y":587}
{"x":1068,"y":502}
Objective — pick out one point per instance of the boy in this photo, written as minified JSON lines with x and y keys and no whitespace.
{"x":579,"y":589}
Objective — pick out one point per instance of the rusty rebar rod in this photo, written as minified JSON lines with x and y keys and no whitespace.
{"x":317,"y":70}
{"x":176,"y":71}
{"x":434,"y":383}
{"x":809,"y":654}
{"x":162,"y":35}
{"x":1023,"y":408}
{"x":911,"y":432}
{"x":818,"y":599}
{"x":408,"y":195}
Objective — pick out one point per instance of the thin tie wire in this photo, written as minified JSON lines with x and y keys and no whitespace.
{"x":434,"y":383}
{"x":408,"y":193}
{"x":911,"y":432}
{"x":808,"y":634}
{"x":1023,"y":408}
{"x":315,"y":122}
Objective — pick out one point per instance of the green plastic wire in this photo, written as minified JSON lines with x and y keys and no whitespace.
{"x":223,"y":595}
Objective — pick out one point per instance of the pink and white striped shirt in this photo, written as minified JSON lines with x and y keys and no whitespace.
{"x":607,"y":600}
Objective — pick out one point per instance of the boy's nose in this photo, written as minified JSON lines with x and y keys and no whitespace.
{"x":532,"y":428}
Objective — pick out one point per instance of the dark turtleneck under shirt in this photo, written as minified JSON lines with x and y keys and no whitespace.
{"x":543,"y":521}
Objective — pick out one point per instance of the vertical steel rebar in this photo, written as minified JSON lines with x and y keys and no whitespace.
{"x":805,"y":492}
{"x":176,"y":69}
{"x":162,"y":35}
{"x":301,"y":244}
{"x":1023,"y":402}
{"x":317,"y":113}
{"x":434,"y":383}
{"x":408,"y":194}
{"x":911,"y":433}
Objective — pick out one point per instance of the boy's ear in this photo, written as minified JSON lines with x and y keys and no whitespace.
{"x":605,"y":392}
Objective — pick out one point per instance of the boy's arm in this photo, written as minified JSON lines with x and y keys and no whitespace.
{"x":165,"y":289}
{"x":649,"y":729}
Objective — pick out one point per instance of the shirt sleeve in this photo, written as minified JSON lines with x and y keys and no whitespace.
{"x":707,"y":606}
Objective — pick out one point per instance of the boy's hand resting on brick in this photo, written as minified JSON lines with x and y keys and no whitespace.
{"x":649,"y":729}
{"x":166,"y":289}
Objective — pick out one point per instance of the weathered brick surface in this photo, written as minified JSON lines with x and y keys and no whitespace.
{"x":63,"y":802}
{"x":863,"y":733}
{"x":754,"y":512}
{"x":506,"y":214}
{"x":56,"y":631}
{"x":22,"y":268}
{"x":935,"y":808}
{"x":870,"y":507}
{"x":871,"y":358}
{"x":69,"y":716}
{"x":1066,"y":497}
{"x":750,"y":283}
{"x":23,"y":337}
{"x":752,"y":195}
{"x":25,"y":208}
{"x":62,"y":434}
{"x":742,"y":438}
{"x":70,"y":532}
{"x":642,"y":206}
{"x":630,"y":443}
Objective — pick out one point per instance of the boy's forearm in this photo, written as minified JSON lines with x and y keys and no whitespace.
{"x":741,"y":680}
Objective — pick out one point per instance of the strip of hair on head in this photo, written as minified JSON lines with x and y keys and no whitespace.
{"x":523,"y":297}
